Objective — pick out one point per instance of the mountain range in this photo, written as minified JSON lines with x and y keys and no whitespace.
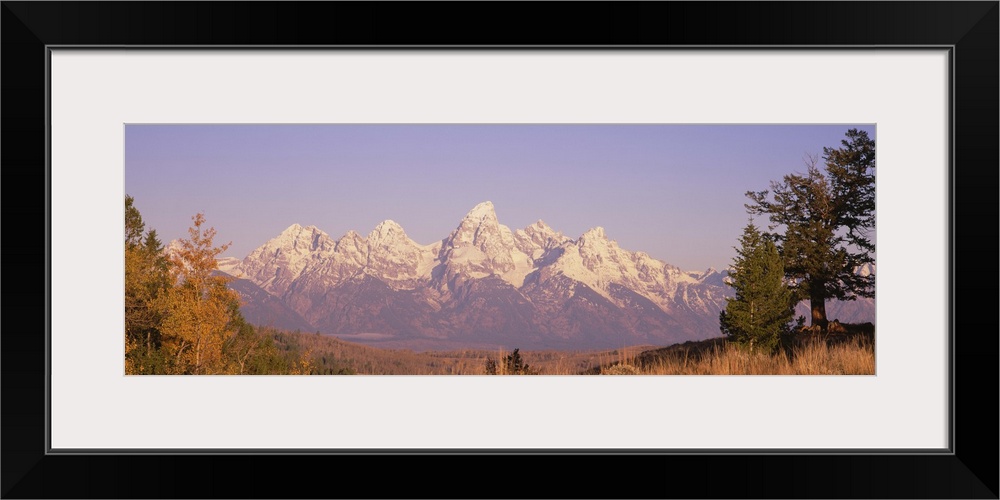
{"x":483,"y":285}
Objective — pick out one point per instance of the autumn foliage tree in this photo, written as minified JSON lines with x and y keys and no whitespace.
{"x":199,"y":306}
{"x":180,"y":315}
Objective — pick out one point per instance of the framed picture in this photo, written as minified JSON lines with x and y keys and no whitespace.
{"x":922,"y":77}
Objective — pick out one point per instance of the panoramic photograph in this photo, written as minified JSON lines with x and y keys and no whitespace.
{"x":496,"y":249}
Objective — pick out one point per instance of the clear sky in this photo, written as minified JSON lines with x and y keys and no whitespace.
{"x":674,"y":191}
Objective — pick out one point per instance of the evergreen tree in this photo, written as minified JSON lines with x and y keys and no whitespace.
{"x":761,"y":312}
{"x":827,"y":220}
{"x":134,"y":226}
{"x":512,"y":365}
{"x":249,"y":351}
{"x":146,"y":279}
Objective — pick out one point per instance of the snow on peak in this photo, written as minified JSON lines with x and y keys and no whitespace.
{"x":540,"y":227}
{"x":301,"y":239}
{"x":480,"y":228}
{"x":594,"y":232}
{"x":351,"y":235}
{"x":228,"y":265}
{"x":298,"y":228}
{"x":352,"y":243}
{"x":481,"y":246}
{"x":482,"y":211}
{"x":389,"y":239}
{"x":173,"y":248}
{"x":537,"y":238}
{"x":387,"y":229}
{"x":389,"y":224}
{"x":865,"y":270}
{"x":276,"y":263}
{"x":393,"y":257}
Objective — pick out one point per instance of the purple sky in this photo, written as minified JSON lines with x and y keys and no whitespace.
{"x":673,"y":191}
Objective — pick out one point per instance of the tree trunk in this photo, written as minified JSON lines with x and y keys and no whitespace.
{"x":818,"y":305}
{"x":177,"y":360}
{"x":197,"y":358}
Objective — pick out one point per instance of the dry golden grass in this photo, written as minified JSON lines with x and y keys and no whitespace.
{"x":812,"y":356}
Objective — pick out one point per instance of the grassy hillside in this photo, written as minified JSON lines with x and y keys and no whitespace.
{"x":849,"y":352}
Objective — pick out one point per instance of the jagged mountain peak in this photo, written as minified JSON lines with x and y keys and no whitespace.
{"x":482,"y":211}
{"x":279,"y":261}
{"x":387,"y":230}
{"x":351,"y":235}
{"x":539,"y":227}
{"x":302,"y":238}
{"x":388,"y":225}
{"x":353,"y":243}
{"x":394,"y":258}
{"x":297,"y":235}
{"x":297,"y":228}
{"x":535,"y":239}
{"x":481,"y":246}
{"x":594,"y":233}
{"x":480,"y":228}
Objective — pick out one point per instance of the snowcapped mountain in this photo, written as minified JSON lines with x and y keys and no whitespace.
{"x":227,"y":264}
{"x":483,"y":283}
{"x":281,"y":261}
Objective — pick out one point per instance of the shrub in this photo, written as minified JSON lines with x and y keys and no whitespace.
{"x":512,"y":365}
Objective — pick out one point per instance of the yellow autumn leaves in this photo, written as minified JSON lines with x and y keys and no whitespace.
{"x":199,"y":307}
{"x":180,"y":316}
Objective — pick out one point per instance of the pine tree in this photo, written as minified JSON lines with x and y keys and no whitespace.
{"x":762,"y":309}
{"x":512,"y":364}
{"x":827,"y":221}
{"x":134,"y":226}
{"x":146,"y":280}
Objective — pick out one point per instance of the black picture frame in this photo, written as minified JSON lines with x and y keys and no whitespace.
{"x":969,"y":470}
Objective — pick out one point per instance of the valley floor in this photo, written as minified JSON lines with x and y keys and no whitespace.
{"x":847,"y":353}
